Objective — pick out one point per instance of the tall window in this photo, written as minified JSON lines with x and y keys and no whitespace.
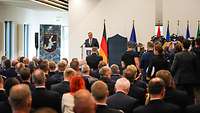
{"x":8,"y":39}
{"x":26,"y":39}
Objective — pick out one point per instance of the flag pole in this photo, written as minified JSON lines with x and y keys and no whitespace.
{"x":178,"y":23}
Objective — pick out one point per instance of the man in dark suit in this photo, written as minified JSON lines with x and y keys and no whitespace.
{"x":120,"y":100}
{"x":63,"y":87}
{"x":156,"y":90}
{"x":91,"y":42}
{"x":99,"y":91}
{"x":41,"y":96}
{"x":184,"y":69}
{"x":25,"y":76}
{"x":94,"y":59}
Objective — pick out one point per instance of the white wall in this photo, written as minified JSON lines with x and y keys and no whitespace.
{"x":34,"y":18}
{"x":88,"y":15}
{"x":182,"y":10}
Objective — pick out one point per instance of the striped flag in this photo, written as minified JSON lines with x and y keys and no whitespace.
{"x":104,"y":47}
{"x":168,"y":33}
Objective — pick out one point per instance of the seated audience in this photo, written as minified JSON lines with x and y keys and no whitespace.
{"x":120,"y":100}
{"x":20,"y":99}
{"x":106,"y":73}
{"x":173,"y":95}
{"x":156,"y":90}
{"x":84,"y":102}
{"x":76,"y":83}
{"x":89,"y":80}
{"x":138,"y":87}
{"x":63,"y":87}
{"x":94,"y":59}
{"x":115,"y":72}
{"x":100,"y":92}
{"x":25,"y":76}
{"x":43,"y":97}
{"x":95,"y":73}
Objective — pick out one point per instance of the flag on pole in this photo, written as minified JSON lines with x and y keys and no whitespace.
{"x":133,"y":35}
{"x":158,"y":32}
{"x":198,"y":29}
{"x":187,"y":31}
{"x":104,"y":47}
{"x":168,"y":33}
{"x":178,"y":29}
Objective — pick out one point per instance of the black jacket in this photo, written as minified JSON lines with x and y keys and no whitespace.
{"x":106,"y":109}
{"x":122,"y":102}
{"x":61,"y":88}
{"x":93,"y":61}
{"x":157,"y":106}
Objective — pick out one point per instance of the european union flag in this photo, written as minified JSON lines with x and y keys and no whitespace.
{"x":168,"y":33}
{"x":133,"y":35}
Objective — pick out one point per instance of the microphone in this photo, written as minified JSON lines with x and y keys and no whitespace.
{"x":82,"y":45}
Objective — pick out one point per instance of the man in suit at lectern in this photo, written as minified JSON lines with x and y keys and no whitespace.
{"x":91,"y":42}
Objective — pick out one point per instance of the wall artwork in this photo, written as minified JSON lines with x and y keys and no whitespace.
{"x":50,"y":36}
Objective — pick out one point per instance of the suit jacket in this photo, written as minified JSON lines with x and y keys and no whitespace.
{"x":106,"y":109}
{"x":93,"y":61}
{"x":41,"y":97}
{"x":94,"y":43}
{"x":5,"y":107}
{"x":184,"y":68}
{"x":193,"y":109}
{"x":122,"y":102}
{"x":10,"y":72}
{"x":61,"y":88}
{"x":177,"y":97}
{"x":157,"y":106}
{"x":54,"y":79}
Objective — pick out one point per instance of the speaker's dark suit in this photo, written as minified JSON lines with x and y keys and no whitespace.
{"x":61,"y":88}
{"x":41,"y":97}
{"x":157,"y":106}
{"x":122,"y":102}
{"x":93,"y":60}
{"x":94,"y":43}
{"x":106,"y":109}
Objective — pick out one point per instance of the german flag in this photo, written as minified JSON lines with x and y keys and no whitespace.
{"x":104,"y":47}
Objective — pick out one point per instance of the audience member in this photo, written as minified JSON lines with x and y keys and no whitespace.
{"x":156,"y":90}
{"x":74,"y":64}
{"x":89,"y":80}
{"x":64,"y":87}
{"x":25,"y":76}
{"x":100,"y":92}
{"x":41,"y":96}
{"x":8,"y":71}
{"x":20,"y":99}
{"x":130,"y":56}
{"x":173,"y":95}
{"x":84,"y":102}
{"x":94,"y":59}
{"x":184,"y":69}
{"x":76,"y":83}
{"x":45,"y":110}
{"x":52,"y":68}
{"x":115,"y":72}
{"x":120,"y":100}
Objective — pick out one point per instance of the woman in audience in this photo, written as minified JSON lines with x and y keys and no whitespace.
{"x":76,"y":83}
{"x":158,"y":62}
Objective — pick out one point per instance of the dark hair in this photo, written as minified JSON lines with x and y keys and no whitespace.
{"x":9,"y":83}
{"x":186,"y":44}
{"x":7,"y":63}
{"x":156,"y":85}
{"x":74,"y":65}
{"x":131,"y":44}
{"x":25,"y":73}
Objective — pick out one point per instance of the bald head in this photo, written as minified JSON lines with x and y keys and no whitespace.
{"x":39,"y":77}
{"x":83,"y":102}
{"x":20,"y":98}
{"x":99,"y":90}
{"x":156,"y":86}
{"x":122,"y":84}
